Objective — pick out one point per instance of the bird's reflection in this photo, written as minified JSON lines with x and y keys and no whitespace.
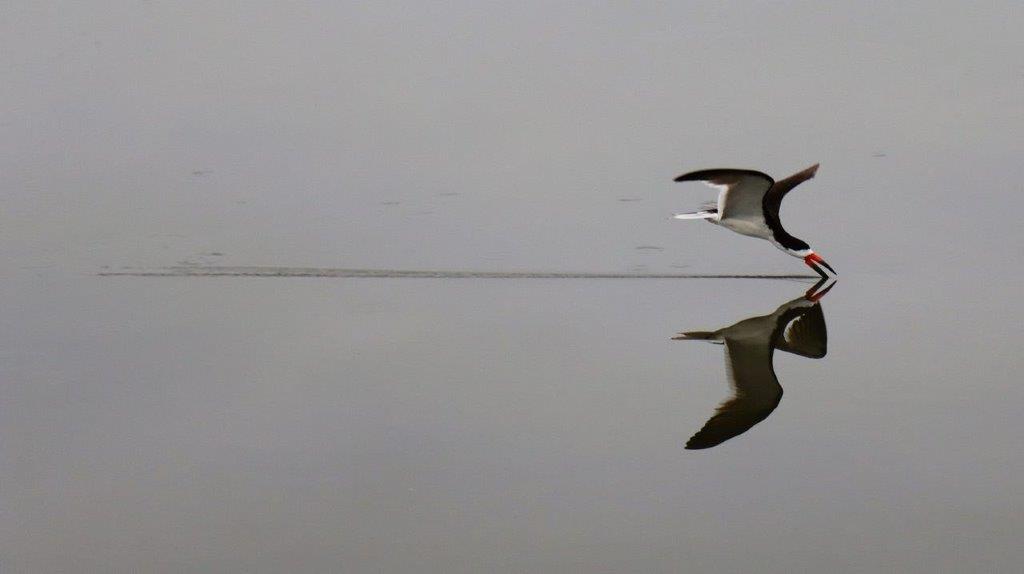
{"x":797,"y":326}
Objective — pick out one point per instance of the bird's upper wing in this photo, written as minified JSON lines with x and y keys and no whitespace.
{"x":741,"y":190}
{"x":756,"y":393}
{"x":774,"y":197}
{"x":805,"y":335}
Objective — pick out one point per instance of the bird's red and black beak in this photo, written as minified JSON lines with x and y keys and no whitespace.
{"x":814,"y":260}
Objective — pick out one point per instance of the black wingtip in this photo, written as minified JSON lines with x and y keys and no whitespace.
{"x":699,"y":175}
{"x":702,"y":175}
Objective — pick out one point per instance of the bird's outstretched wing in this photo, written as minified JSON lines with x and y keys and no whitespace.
{"x":741,"y":191}
{"x":756,"y":393}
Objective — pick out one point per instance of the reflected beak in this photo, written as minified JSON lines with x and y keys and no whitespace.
{"x":813,"y":295}
{"x":814,"y":260}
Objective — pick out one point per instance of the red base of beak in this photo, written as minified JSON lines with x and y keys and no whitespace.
{"x":814,"y":260}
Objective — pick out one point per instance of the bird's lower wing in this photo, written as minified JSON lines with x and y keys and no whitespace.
{"x":741,"y":191}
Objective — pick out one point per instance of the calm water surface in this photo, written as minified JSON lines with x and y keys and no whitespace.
{"x":461,"y":425}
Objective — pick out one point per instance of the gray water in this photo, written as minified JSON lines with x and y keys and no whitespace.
{"x":347,"y":288}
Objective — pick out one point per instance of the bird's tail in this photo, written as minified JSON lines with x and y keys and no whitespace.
{"x":703,"y":214}
{"x":695,"y":336}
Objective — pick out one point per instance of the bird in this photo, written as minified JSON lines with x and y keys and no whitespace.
{"x":797,"y":326}
{"x":748,"y":203}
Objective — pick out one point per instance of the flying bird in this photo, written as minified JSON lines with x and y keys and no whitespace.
{"x":797,"y":327}
{"x":748,"y":203}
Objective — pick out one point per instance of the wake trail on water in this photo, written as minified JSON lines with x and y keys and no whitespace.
{"x":258,"y":271}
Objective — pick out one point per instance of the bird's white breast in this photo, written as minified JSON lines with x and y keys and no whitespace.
{"x":747,"y":227}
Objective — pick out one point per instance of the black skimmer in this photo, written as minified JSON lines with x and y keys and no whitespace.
{"x":748,"y":203}
{"x":797,"y":326}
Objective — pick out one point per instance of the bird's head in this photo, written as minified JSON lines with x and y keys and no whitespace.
{"x":814,"y":261}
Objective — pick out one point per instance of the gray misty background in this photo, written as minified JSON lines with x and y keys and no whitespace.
{"x":302,"y":119}
{"x":268,"y":425}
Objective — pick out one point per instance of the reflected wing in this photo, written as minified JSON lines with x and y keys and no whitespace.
{"x":741,"y":191}
{"x":806,"y":335}
{"x":756,"y":393}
